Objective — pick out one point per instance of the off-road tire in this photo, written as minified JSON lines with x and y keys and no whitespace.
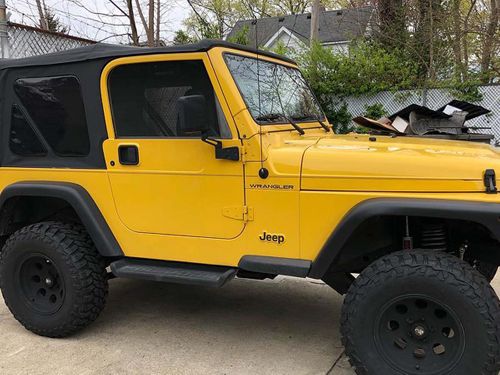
{"x":488,"y":270}
{"x":443,"y":279}
{"x":81,"y":277}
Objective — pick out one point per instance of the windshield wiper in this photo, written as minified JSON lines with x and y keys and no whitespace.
{"x":277,"y":116}
{"x":323,"y":125}
{"x":270,"y":117}
{"x":312,"y":117}
{"x":296,"y":126}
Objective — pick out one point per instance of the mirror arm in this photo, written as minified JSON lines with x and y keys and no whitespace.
{"x":228,"y":153}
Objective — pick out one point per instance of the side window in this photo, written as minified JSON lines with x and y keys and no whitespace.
{"x":55,"y":105}
{"x":23,"y":139}
{"x":145,"y":99}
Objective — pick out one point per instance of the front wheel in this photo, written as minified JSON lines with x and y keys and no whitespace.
{"x":488,"y":270}
{"x":425,"y":313}
{"x":52,"y":278}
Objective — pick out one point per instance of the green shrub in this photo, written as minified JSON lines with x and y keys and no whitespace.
{"x":340,"y":118}
{"x":375,"y":111}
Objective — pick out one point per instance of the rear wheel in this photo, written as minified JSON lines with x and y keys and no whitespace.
{"x":421,"y":313}
{"x":52,"y":278}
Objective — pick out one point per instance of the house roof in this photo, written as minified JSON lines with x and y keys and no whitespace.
{"x":106,"y":51}
{"x":334,"y":26}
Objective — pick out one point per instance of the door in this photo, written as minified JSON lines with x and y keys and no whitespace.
{"x":164,"y":178}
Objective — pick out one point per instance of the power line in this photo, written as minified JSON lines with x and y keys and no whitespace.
{"x":75,"y":18}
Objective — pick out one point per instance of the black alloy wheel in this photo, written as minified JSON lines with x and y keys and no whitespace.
{"x":416,"y":333}
{"x":41,"y":284}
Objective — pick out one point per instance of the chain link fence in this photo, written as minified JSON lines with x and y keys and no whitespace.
{"x":25,"y":41}
{"x":434,"y":99}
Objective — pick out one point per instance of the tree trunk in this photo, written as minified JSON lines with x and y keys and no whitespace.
{"x":141,"y":16}
{"x":432,"y":71}
{"x":158,"y":22}
{"x":392,"y":25}
{"x":151,"y":23}
{"x":133,"y":26}
{"x":457,"y":41}
{"x":43,"y":20}
{"x":425,"y":32}
{"x":465,"y":41}
{"x":489,"y":38}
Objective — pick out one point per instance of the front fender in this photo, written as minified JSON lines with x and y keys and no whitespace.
{"x":486,"y":214}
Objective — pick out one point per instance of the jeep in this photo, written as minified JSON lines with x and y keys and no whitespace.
{"x":200,"y":163}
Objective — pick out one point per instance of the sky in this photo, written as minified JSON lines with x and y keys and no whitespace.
{"x":98,"y":20}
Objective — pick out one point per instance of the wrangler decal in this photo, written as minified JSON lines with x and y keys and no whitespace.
{"x":271,"y":186}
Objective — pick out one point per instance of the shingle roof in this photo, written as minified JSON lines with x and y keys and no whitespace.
{"x":334,"y":26}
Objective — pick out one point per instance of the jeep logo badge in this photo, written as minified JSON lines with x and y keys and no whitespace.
{"x":277,"y":238}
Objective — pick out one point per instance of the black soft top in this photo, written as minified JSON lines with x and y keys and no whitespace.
{"x":86,"y":65}
{"x":105,"y":51}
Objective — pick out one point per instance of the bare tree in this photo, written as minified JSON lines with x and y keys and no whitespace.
{"x":133,"y":26}
{"x":158,"y":23}
{"x":141,"y":16}
{"x":465,"y":40}
{"x":489,"y":37}
{"x":151,"y":23}
{"x":456,"y":41}
{"x":43,"y":20}
{"x":391,"y":23}
{"x":293,"y":6}
{"x":123,"y":14}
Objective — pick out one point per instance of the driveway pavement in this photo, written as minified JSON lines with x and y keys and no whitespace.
{"x":285,"y":326}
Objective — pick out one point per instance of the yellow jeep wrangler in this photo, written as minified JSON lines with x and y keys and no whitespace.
{"x":200,"y":163}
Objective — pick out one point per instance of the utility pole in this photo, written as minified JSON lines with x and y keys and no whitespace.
{"x":316,"y":9}
{"x":4,"y":34}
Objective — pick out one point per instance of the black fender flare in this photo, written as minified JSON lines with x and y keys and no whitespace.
{"x":80,"y":200}
{"x":486,"y":214}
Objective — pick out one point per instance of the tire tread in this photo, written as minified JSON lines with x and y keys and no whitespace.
{"x":86,"y":268}
{"x":445,"y":268}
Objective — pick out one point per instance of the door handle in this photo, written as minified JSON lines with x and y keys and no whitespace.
{"x":128,"y":154}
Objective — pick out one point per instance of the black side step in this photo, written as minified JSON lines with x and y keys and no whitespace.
{"x":275,"y":265}
{"x":172,"y":272}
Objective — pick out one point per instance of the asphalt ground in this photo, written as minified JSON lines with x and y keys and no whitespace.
{"x":284,"y":326}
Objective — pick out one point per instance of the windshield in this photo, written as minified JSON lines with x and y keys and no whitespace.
{"x":278,"y":95}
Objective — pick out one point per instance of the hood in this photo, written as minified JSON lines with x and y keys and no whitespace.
{"x":396,"y":164}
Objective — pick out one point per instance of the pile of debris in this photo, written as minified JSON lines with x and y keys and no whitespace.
{"x":447,"y":122}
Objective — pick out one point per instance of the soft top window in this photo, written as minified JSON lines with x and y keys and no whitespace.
{"x":145,"y":99}
{"x":22,"y":138}
{"x":55,"y":105}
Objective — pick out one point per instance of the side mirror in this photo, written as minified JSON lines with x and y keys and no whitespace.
{"x":192,"y":115}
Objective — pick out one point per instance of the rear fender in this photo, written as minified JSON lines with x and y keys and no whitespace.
{"x":81,"y":202}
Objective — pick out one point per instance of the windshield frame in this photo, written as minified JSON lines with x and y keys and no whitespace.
{"x":286,"y":65}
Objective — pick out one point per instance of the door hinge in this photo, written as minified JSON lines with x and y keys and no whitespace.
{"x":243,"y":154}
{"x":243,"y":213}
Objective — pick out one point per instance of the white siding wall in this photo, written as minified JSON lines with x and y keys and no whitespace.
{"x":287,"y":40}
